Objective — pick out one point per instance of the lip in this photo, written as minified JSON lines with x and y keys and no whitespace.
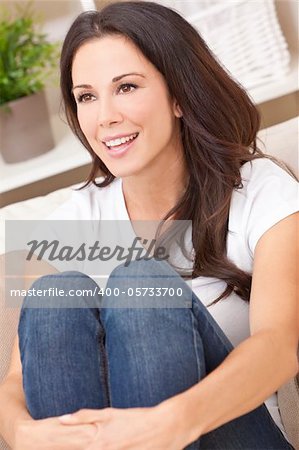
{"x":123,"y":148}
{"x":117,"y":136}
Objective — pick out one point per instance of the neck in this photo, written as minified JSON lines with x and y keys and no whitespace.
{"x":149,"y":196}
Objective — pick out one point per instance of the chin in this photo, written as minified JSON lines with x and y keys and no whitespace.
{"x":121,"y":171}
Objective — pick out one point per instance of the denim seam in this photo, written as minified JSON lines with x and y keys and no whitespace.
{"x":195,"y":332}
{"x":103,"y":366}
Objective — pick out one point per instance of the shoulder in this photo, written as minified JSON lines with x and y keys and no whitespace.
{"x":265,"y":180}
{"x":268,"y":194}
{"x":88,"y":203}
{"x":260,"y":171}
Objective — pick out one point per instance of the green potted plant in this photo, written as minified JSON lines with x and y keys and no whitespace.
{"x":27,"y":62}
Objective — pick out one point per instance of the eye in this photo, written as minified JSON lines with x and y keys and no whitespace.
{"x":84,"y":98}
{"x":126,"y":88}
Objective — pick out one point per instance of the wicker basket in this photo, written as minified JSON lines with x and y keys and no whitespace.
{"x":244,"y":35}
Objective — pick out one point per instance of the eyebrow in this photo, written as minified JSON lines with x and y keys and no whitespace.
{"x":114,"y":80}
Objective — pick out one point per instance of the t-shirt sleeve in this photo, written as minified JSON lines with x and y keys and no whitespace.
{"x":271,"y":195}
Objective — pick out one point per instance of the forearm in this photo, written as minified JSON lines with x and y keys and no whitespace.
{"x":12,"y":407}
{"x":249,"y":375}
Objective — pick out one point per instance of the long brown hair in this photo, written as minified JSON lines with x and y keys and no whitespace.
{"x":219,"y":124}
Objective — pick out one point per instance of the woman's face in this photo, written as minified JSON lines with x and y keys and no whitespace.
{"x":124,"y":108}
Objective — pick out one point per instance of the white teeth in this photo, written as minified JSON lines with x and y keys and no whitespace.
{"x":119,"y":141}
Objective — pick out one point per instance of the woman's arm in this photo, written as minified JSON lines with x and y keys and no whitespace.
{"x":21,"y":432}
{"x":12,"y":401}
{"x":262,"y":363}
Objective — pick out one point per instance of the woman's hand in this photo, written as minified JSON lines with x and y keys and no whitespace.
{"x":50,"y":434}
{"x":134,"y":428}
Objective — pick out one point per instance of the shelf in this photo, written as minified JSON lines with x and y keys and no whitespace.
{"x":68,"y":154}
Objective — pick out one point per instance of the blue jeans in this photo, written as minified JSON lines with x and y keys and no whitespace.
{"x":101,"y":355}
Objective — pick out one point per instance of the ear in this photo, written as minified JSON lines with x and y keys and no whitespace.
{"x":177,"y":110}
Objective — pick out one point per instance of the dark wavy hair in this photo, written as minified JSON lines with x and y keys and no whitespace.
{"x":219,"y":124}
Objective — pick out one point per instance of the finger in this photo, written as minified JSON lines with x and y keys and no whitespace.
{"x":86,"y":416}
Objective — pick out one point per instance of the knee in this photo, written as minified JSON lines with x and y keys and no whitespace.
{"x":146,"y":295}
{"x":47,"y":281}
{"x":50,"y":306}
{"x":69,"y":289}
{"x":145,"y":267}
{"x":147,"y":284}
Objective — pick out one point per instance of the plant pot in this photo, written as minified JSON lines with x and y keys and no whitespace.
{"x":25,"y":129}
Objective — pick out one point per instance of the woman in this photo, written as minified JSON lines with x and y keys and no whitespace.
{"x":175,"y":138}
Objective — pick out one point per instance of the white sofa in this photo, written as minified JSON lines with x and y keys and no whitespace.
{"x":280,"y":140}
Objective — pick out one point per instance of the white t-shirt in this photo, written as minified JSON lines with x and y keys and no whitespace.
{"x":269,"y":194}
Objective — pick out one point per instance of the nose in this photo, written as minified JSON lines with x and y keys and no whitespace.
{"x":108,"y":113}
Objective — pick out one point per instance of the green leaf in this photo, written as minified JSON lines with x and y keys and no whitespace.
{"x":27,"y":58}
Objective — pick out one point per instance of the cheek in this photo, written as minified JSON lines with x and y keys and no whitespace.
{"x":157,"y":107}
{"x":144,"y":113}
{"x":135,"y":111}
{"x":161,"y":122}
{"x":86,"y":121}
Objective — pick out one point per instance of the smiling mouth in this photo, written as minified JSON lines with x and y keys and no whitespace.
{"x":119,"y":148}
{"x":120,"y":142}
